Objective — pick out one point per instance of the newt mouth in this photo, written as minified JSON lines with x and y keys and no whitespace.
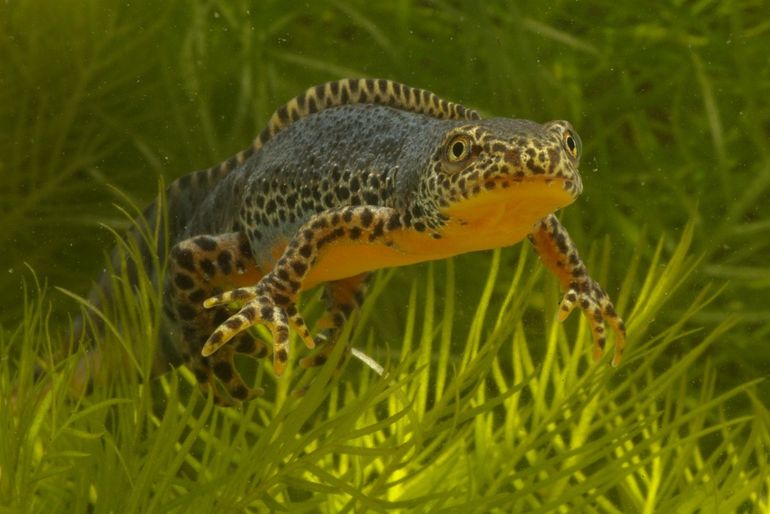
{"x":572,"y":186}
{"x":521,"y":200}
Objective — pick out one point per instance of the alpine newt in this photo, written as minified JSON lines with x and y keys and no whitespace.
{"x":347,"y":178}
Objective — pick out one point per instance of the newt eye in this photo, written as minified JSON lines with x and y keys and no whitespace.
{"x":572,"y":144}
{"x":458,"y":149}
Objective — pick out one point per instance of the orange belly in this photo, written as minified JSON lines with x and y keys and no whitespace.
{"x":494,"y":219}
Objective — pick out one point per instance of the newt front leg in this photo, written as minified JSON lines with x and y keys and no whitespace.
{"x":272,"y":302}
{"x":560,"y":256}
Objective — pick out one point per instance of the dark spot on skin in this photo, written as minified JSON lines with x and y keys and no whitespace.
{"x":312,"y":107}
{"x":578,"y":272}
{"x":561,"y":243}
{"x":239,"y":393}
{"x":378,"y":230}
{"x":205,"y":243}
{"x":324,"y":241}
{"x":424,"y":98}
{"x":534,"y":168}
{"x":299,"y":268}
{"x":366,"y":218}
{"x":208,"y":267}
{"x":201,"y":375}
{"x":306,"y":251}
{"x":354,"y":233}
{"x":282,"y":355}
{"x":216,"y":337}
{"x":223,"y":371}
{"x":233,"y":324}
{"x":186,"y":312}
{"x":266,"y":313}
{"x":224,"y":261}
{"x":249,"y":312}
{"x":283,"y":115}
{"x":246,"y":345}
{"x":239,"y":294}
{"x":397,"y":89}
{"x":183,"y":281}
{"x":197,"y":296}
{"x":183,"y":258}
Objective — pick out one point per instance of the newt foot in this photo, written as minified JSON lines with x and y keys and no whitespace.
{"x":260,"y":307}
{"x":598,"y":309}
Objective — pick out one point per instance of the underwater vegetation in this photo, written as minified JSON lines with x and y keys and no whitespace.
{"x":485,"y":402}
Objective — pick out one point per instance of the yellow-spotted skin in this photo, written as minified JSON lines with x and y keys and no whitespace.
{"x":347,"y":178}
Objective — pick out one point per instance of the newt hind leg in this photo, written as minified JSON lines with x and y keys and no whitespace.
{"x":343,"y":297}
{"x":201,"y":267}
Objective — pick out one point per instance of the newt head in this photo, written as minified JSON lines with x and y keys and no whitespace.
{"x":494,"y":179}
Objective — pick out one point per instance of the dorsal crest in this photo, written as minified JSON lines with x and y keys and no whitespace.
{"x":335,"y":94}
{"x":362,"y":91}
